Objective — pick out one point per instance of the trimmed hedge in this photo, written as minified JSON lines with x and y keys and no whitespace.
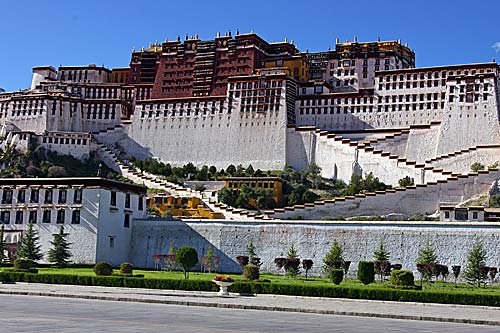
{"x":366,"y":272}
{"x":383,"y":294}
{"x":402,"y":278}
{"x":251,"y":272}
{"x":336,"y":275}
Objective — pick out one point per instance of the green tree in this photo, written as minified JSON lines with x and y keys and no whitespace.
{"x":334,"y":258}
{"x":476,"y":260}
{"x":29,"y":247}
{"x":213,"y":171}
{"x":293,"y":266}
{"x":172,"y":249}
{"x":245,"y":194}
{"x":203,"y":173}
{"x":406,"y":181}
{"x":249,"y":171}
{"x":189,"y":169}
{"x":59,"y":253}
{"x":313,"y":174}
{"x":381,"y":254}
{"x":2,"y":245}
{"x":251,"y":252}
{"x":264,"y":198}
{"x":427,"y":259}
{"x":187,"y":258}
{"x":475,"y":167}
{"x":231,"y":170}
{"x":226,"y":196}
{"x":354,"y":186}
{"x":240,"y":171}
{"x":208,"y":260}
{"x":56,"y":172}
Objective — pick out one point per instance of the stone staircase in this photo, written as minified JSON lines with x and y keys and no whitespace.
{"x":110,"y":157}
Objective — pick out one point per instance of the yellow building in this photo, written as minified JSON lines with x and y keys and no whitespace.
{"x":182,"y":207}
{"x":272,"y":183}
{"x":295,"y":66}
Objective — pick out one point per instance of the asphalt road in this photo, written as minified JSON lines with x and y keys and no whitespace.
{"x":49,"y":314}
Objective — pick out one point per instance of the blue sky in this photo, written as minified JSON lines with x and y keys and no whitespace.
{"x":42,"y":32}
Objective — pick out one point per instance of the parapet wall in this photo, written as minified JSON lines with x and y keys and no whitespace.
{"x":313,"y":240}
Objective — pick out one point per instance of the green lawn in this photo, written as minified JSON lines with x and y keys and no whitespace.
{"x":312,"y":281}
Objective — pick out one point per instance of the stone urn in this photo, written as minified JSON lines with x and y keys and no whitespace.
{"x":223,"y":285}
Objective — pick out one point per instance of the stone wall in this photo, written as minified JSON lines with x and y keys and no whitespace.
{"x":313,"y":240}
{"x":222,"y":139}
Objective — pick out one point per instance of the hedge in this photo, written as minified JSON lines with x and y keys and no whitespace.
{"x":383,"y":294}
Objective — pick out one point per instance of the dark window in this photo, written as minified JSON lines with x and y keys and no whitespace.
{"x":126,"y":221}
{"x":48,"y":197}
{"x":111,"y":242}
{"x":7,"y":197}
{"x":19,"y":217}
{"x":474,"y":215}
{"x":33,"y":216}
{"x":21,"y":196}
{"x":75,"y":217}
{"x":5,"y":217}
{"x":127,"y":200}
{"x":113,"y":198}
{"x":61,"y":216}
{"x":46,"y":216}
{"x":461,"y":215}
{"x":77,"y":198}
{"x":447,"y":215}
{"x":62,"y":196}
{"x":140,"y":203}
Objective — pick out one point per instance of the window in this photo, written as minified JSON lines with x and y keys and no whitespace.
{"x":127,"y":200}
{"x":75,"y":217}
{"x":446,"y":215}
{"x":33,"y":216}
{"x":5,"y":217}
{"x":7,"y":197}
{"x":113,"y":198}
{"x":474,"y":215}
{"x":111,"y":242}
{"x":140,"y":203}
{"x":46,"y":216}
{"x":21,"y":196}
{"x":77,"y":198}
{"x":126,"y":221}
{"x":48,"y":197}
{"x":61,"y":216}
{"x":62,"y":196}
{"x":19,"y":217}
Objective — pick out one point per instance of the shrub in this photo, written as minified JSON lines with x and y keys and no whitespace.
{"x":336,"y":275}
{"x":307,"y":264}
{"x":292,"y":266}
{"x":251,"y":272}
{"x":242,"y":260}
{"x":186,"y":257}
{"x":23,"y":265}
{"x":402,"y":278}
{"x":366,"y":272}
{"x":126,"y":268}
{"x":102,"y":268}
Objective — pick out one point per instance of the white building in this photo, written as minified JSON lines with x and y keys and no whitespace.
{"x":97,"y":214}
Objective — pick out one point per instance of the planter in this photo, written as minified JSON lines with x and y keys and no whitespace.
{"x":223,"y":287}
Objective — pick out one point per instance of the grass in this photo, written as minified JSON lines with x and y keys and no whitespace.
{"x":280,"y":279}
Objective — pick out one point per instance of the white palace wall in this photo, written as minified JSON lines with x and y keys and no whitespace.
{"x":312,"y":240}
{"x":221,"y":139}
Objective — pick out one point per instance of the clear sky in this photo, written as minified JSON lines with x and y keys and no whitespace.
{"x":72,"y":32}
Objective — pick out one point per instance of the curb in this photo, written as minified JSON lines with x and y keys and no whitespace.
{"x":255,"y":307}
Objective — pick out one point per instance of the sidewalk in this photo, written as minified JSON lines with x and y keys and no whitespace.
{"x":333,"y":306}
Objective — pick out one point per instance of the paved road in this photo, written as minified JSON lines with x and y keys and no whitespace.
{"x":48,"y":314}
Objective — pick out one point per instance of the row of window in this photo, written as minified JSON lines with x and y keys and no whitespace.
{"x":428,"y":75}
{"x":414,"y":84}
{"x":370,"y":108}
{"x":32,"y":216}
{"x":249,"y":85}
{"x":66,"y":141}
{"x":34,"y":196}
{"x":180,"y":106}
{"x":140,"y":202}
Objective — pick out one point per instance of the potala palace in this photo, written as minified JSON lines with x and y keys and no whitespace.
{"x":360,"y":108}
